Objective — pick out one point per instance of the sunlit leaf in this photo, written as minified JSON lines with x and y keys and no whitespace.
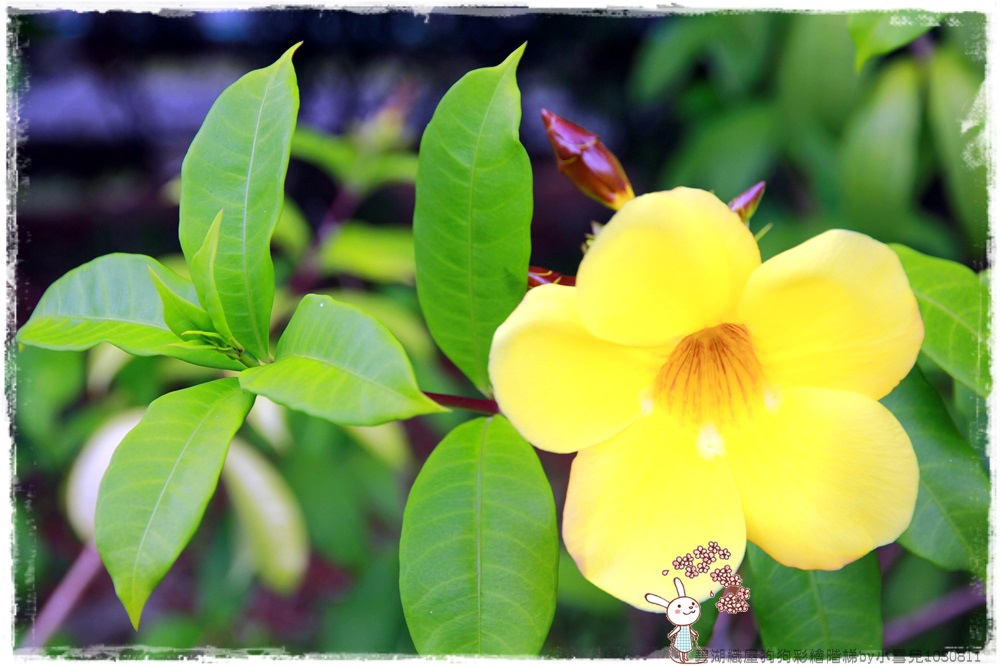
{"x":159,"y":482}
{"x":954,"y":305}
{"x":479,"y":550}
{"x":270,"y":518}
{"x":950,"y":524}
{"x":957,"y":113}
{"x":237,"y":164}
{"x":85,"y":476}
{"x":112,"y":299}
{"x":335,"y":362}
{"x":472,"y":216}
{"x":178,"y":313}
{"x":814,"y":609}
{"x":877,"y":33}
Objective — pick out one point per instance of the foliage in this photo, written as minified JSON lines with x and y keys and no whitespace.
{"x":867,"y":141}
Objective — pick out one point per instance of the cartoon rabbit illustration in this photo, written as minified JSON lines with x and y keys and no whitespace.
{"x":682,"y":611}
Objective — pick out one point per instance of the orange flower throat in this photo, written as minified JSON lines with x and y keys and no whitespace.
{"x":712,"y":377}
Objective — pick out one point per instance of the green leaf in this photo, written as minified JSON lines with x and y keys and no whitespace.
{"x":203,"y":265}
{"x":728,"y":153}
{"x":269,"y":516}
{"x":479,"y":550}
{"x":877,"y":33}
{"x":292,"y":233}
{"x":878,"y":152}
{"x":180,"y":314}
{"x":956,"y":106}
{"x":369,"y":619}
{"x":237,"y":164}
{"x":950,"y":524}
{"x":360,"y":169}
{"x":325,"y":479}
{"x":46,"y":383}
{"x":954,"y":305}
{"x":335,"y":362}
{"x":159,"y":482}
{"x":820,"y":95}
{"x":813,"y":609}
{"x":666,"y":55}
{"x":113,"y":299}
{"x":473,"y":214}
{"x":378,"y":253}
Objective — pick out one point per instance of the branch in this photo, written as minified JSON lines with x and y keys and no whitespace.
{"x":483,"y":405}
{"x":956,"y":603}
{"x":64,"y":597}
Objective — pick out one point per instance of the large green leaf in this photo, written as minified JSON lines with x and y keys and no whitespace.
{"x":951,"y":107}
{"x":335,"y":362}
{"x":814,"y":609}
{"x":878,"y":153}
{"x":479,"y":550}
{"x":876,"y":33}
{"x":271,"y":520}
{"x":113,"y":299}
{"x":159,"y":482}
{"x":472,"y":217}
{"x":237,"y":164}
{"x":950,"y":525}
{"x":954,"y":304}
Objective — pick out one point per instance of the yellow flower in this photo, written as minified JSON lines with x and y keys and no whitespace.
{"x":711,"y":397}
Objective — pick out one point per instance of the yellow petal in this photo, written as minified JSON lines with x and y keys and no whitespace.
{"x":640,"y":500}
{"x":562,"y":388}
{"x":835,"y":312}
{"x":825,"y":477}
{"x":667,"y":264}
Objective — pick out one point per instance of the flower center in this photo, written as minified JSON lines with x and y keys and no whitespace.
{"x":712,"y":377}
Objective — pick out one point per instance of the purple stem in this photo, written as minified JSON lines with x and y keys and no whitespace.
{"x":64,"y":597}
{"x":475,"y":404}
{"x":952,"y":605}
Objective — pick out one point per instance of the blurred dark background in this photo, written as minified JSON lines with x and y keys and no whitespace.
{"x":107,"y":104}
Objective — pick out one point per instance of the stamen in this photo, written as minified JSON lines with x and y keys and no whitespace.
{"x":712,"y":376}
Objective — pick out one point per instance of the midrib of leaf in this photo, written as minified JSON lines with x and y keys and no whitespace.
{"x":159,"y":499}
{"x":824,"y":621}
{"x":347,"y":370}
{"x":954,"y":527}
{"x":472,"y":189}
{"x":479,"y":537}
{"x":940,"y":306}
{"x":246,"y":199}
{"x":96,"y":318}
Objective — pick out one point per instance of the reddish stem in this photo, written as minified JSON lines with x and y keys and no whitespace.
{"x":64,"y":597}
{"x":483,"y":405}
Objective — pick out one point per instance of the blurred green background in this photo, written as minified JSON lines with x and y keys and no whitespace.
{"x":108,"y":104}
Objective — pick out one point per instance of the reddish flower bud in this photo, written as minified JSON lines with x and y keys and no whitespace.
{"x":583,"y":159}
{"x":745,"y":204}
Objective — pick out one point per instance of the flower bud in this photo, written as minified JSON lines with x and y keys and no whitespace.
{"x":745,"y":204}
{"x":583,"y":159}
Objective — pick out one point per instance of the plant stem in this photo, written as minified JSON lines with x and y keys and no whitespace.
{"x":64,"y":597}
{"x":952,"y":605}
{"x":483,"y":405}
